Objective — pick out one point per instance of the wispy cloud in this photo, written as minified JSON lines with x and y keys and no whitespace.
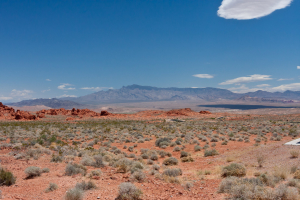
{"x":250,"y":9}
{"x":17,"y":95}
{"x":20,"y":93}
{"x":298,"y":67}
{"x":64,"y":86}
{"x":285,"y":79}
{"x":263,"y":85}
{"x":66,"y":95}
{"x":243,"y":89}
{"x":48,"y":79}
{"x":252,"y":78}
{"x":203,"y":75}
{"x":96,"y":88}
{"x":43,"y":91}
{"x":5,"y":98}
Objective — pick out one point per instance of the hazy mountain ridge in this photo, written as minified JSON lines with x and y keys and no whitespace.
{"x":148,"y":93}
{"x":137,"y":93}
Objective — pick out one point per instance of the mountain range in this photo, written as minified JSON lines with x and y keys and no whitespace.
{"x":137,"y":93}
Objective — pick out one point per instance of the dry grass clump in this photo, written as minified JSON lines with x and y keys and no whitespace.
{"x":244,"y":188}
{"x":234,"y":169}
{"x":261,"y":160}
{"x":138,"y":176}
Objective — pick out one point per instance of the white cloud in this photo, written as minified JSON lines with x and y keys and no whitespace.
{"x":250,"y":9}
{"x":66,"y":95}
{"x":285,"y":79}
{"x":48,"y":79}
{"x":63,"y":86}
{"x":298,"y":67}
{"x":263,"y":85}
{"x":96,"y":88}
{"x":252,"y":78}
{"x":5,"y":98}
{"x":203,"y":76}
{"x":194,"y":87}
{"x":282,"y":88}
{"x":20,"y":93}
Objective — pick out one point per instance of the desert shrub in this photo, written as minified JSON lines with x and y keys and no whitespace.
{"x":176,"y":149}
{"x":98,"y":161}
{"x":162,"y":141}
{"x":170,"y":161}
{"x":72,"y":169}
{"x":32,"y":172}
{"x":297,"y":174}
{"x":260,"y":160}
{"x":153,"y":157}
{"x":188,"y":185}
{"x":124,"y":147}
{"x":281,"y":172}
{"x":172,"y":172}
{"x":187,"y":159}
{"x":212,"y":152}
{"x":6,"y":178}
{"x":294,"y":153}
{"x":156,"y":167}
{"x":138,"y":176}
{"x":183,"y":154}
{"x":150,"y":162}
{"x":74,"y":194}
{"x":128,"y":191}
{"x":56,"y":159}
{"x":86,"y":185}
{"x":197,"y":148}
{"x":87,"y":161}
{"x":94,"y":173}
{"x":45,"y":170}
{"x":233,"y":169}
{"x":130,"y":149}
{"x":51,"y":187}
{"x":144,"y":156}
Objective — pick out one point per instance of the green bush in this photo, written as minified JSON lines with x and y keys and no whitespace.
{"x":6,"y":178}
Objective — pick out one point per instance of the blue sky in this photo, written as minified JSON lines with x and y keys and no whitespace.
{"x":72,"y":48}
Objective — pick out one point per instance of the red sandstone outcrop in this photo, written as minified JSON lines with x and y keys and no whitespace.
{"x":185,"y":112}
{"x":10,"y":114}
{"x":204,"y":112}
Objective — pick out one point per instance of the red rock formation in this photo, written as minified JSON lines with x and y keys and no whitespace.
{"x":10,"y":114}
{"x":204,"y":112}
{"x":185,"y":112}
{"x":104,"y":113}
